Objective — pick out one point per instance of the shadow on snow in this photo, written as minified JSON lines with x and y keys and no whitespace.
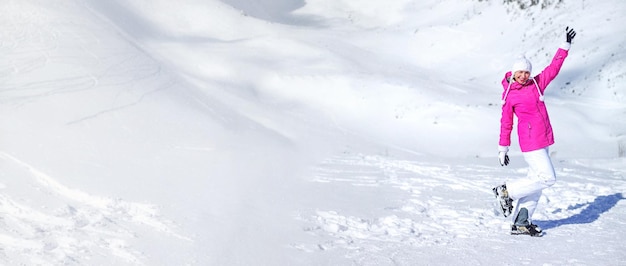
{"x":590,"y":214}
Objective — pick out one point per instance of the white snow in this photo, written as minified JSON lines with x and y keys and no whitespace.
{"x":291,"y":132}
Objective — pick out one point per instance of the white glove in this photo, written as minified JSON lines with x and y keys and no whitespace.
{"x":502,"y":155}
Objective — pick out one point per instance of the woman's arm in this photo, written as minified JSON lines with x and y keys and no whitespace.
{"x":506,"y":125}
{"x":551,"y":71}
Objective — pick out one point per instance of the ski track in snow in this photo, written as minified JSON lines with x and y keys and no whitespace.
{"x":80,"y":227}
{"x":449,"y":205}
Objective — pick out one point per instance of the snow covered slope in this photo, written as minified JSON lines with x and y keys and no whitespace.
{"x":282,"y":132}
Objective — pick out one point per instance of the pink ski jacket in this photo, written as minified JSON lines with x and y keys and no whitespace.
{"x":526,"y":102}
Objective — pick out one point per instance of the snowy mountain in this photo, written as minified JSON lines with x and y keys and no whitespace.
{"x":289,"y":132}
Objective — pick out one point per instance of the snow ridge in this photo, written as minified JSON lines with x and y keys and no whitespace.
{"x":71,"y":226}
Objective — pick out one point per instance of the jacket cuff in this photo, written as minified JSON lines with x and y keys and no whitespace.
{"x":503,"y":148}
{"x":565,"y":46}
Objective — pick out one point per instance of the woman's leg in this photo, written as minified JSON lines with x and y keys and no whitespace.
{"x":540,"y":175}
{"x":527,"y":191}
{"x":530,"y":203}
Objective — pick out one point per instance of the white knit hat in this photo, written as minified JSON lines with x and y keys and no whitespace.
{"x":522,"y":64}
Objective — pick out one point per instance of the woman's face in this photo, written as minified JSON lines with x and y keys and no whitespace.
{"x":521,"y":76}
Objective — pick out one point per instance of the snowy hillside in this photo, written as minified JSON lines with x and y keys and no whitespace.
{"x":290,"y":132}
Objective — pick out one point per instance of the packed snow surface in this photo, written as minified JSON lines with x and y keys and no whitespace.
{"x":291,"y":132}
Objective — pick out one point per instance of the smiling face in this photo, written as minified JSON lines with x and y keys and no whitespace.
{"x":521,"y":76}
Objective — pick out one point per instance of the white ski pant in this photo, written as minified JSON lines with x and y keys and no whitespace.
{"x":527,"y":191}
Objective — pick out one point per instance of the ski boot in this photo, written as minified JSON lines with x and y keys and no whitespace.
{"x":505,"y":203}
{"x":523,"y":226}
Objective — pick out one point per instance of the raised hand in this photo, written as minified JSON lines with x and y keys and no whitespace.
{"x":569,"y":34}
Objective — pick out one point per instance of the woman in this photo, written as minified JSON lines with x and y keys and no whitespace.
{"x":523,"y":97}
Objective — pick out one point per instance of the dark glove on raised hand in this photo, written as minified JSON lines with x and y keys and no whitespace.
{"x":569,"y":34}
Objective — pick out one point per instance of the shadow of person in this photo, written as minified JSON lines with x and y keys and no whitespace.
{"x":590,"y":214}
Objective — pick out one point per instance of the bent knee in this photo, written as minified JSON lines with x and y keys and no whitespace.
{"x":548,"y":180}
